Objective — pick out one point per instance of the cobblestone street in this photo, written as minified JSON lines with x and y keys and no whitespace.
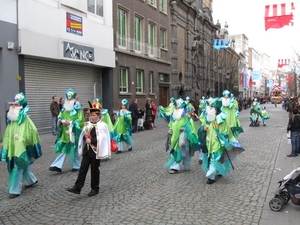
{"x":137,"y":189}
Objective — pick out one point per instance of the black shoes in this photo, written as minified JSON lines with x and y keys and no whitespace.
{"x":74,"y":190}
{"x":292,"y":155}
{"x":130,"y":149}
{"x":75,"y":170}
{"x":28,"y":186}
{"x":93,"y":192}
{"x":118,"y":152}
{"x":210,"y":181}
{"x":54,"y":168}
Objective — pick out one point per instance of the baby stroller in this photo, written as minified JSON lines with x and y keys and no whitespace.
{"x":254,"y":118}
{"x":289,"y":189}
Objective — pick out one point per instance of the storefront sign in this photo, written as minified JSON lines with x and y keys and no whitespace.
{"x":79,"y":52}
{"x":74,"y":24}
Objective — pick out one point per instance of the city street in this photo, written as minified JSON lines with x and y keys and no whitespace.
{"x":137,"y":189}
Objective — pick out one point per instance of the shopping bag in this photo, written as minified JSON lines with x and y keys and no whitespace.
{"x":113,"y":146}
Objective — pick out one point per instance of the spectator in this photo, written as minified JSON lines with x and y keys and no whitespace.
{"x":61,"y":103}
{"x":54,"y":109}
{"x":154,"y":112}
{"x":148,"y":108}
{"x":294,"y":128}
{"x":133,"y":108}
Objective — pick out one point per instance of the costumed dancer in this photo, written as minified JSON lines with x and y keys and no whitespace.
{"x":123,"y":128}
{"x":231,"y":108}
{"x":264,"y":115}
{"x":183,"y":135}
{"x":254,"y":112}
{"x":71,"y":120}
{"x":93,"y":145}
{"x":21,"y":146}
{"x":218,"y":151}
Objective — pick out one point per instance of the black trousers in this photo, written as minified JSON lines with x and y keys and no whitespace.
{"x":89,"y":158}
{"x":134,"y":124}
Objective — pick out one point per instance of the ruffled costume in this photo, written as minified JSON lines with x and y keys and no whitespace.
{"x":21,"y":146}
{"x":68,"y":136}
{"x":122,"y":129}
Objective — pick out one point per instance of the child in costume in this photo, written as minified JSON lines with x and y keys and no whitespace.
{"x":264,"y":115}
{"x":123,"y":128}
{"x":94,"y":145}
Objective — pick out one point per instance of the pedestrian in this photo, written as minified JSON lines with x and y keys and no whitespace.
{"x":122,"y":128}
{"x":154,"y":112}
{"x":148,"y":108}
{"x":71,"y":121}
{"x":54,"y":109}
{"x":133,"y":108}
{"x":21,"y":146}
{"x":94,"y":145}
{"x":61,"y":103}
{"x":294,"y":128}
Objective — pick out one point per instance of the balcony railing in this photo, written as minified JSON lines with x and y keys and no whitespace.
{"x":133,"y":45}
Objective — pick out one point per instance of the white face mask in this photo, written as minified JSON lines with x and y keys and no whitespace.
{"x":225,"y":101}
{"x":13,"y":113}
{"x":177,"y":113}
{"x":211,"y":114}
{"x":69,"y":104}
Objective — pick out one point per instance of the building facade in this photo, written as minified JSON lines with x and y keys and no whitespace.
{"x":63,"y":44}
{"x":141,"y":42}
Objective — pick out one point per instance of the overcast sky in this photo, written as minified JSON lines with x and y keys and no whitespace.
{"x":247,"y":17}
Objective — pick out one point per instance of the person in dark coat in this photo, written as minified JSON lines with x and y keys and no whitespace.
{"x":133,"y":108}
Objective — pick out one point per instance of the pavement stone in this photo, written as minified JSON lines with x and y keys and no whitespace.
{"x":136,"y":188}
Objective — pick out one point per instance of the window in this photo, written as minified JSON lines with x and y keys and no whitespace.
{"x":162,"y":5}
{"x":139,"y":81}
{"x":122,"y":27}
{"x":152,"y":2}
{"x":123,"y":80}
{"x":95,"y":7}
{"x":138,"y":26}
{"x":151,"y":89}
{"x":163,"y":37}
{"x":151,"y":38}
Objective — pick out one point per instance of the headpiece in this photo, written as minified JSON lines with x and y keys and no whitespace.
{"x":21,"y":99}
{"x":125,"y":102}
{"x":226,"y":93}
{"x":180,"y":103}
{"x":70,"y":94}
{"x":96,"y":105}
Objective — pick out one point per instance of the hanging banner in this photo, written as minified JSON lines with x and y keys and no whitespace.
{"x":279,"y":15}
{"x":222,"y":43}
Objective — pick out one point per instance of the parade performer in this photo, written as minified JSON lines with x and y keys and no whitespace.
{"x":231,"y":108}
{"x":255,"y":112}
{"x":183,"y":136}
{"x":264,"y":115}
{"x":71,"y":120}
{"x":219,"y":151}
{"x":93,"y":145}
{"x":21,"y":146}
{"x":123,"y":128}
